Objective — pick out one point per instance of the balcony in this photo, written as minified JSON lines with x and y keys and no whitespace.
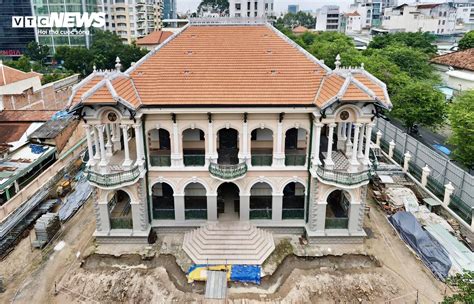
{"x":112,"y":180}
{"x":228,"y":172}
{"x":342,"y":177}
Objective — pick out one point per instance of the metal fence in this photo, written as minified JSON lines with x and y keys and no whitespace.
{"x":443,"y":170}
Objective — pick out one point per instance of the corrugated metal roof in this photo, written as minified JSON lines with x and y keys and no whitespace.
{"x":216,"y":285}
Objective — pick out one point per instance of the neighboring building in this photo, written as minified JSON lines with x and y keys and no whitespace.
{"x":209,"y":11}
{"x":350,"y":23}
{"x":293,"y":8}
{"x":133,"y":19}
{"x":327,"y":18}
{"x":153,"y":39}
{"x":456,"y":69}
{"x":257,"y":8}
{"x":436,"y":18}
{"x":216,"y":129}
{"x":62,"y":36}
{"x":465,"y":13}
{"x":169,"y":9}
{"x":21,"y":91}
{"x":13,"y":41}
{"x":299,"y":30}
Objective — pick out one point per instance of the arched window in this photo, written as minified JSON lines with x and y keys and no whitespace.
{"x":337,"y":210}
{"x":194,"y":148}
{"x":293,"y":201}
{"x":261,"y":145}
{"x":228,"y":147}
{"x":159,"y":147}
{"x":295,"y":147}
{"x":195,"y":202}
{"x":261,"y":201}
{"x":228,"y":202}
{"x":120,"y":210}
{"x":163,"y":201}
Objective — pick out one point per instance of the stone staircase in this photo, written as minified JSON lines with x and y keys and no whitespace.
{"x":228,"y":243}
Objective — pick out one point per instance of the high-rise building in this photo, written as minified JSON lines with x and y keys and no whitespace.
{"x":327,"y":18}
{"x":13,"y":41}
{"x":371,"y":11}
{"x":169,"y":9}
{"x":54,"y":37}
{"x":293,"y":8}
{"x":133,"y":19}
{"x":256,"y":8}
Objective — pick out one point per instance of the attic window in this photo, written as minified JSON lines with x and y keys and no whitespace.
{"x":189,"y":52}
{"x":273,"y":72}
{"x":187,"y":72}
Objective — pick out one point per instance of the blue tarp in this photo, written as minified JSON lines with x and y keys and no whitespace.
{"x":246,"y":273}
{"x":75,"y":200}
{"x":61,"y":115}
{"x":37,"y":149}
{"x":433,"y":255}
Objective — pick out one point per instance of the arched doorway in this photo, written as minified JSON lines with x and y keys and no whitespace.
{"x":228,"y":202}
{"x":228,"y":147}
{"x":120,"y":210}
{"x":295,"y":147}
{"x":261,"y":145}
{"x":261,"y":201}
{"x":195,"y":202}
{"x":163,"y":201}
{"x":194,"y":148}
{"x":293,"y":201}
{"x":159,"y":147}
{"x":337,"y":210}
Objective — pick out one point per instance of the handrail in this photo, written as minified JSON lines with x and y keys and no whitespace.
{"x":340,"y":177}
{"x":228,"y":171}
{"x":113,"y":179}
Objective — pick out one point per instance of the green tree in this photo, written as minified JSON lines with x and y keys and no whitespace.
{"x":387,"y":71}
{"x":291,"y":20}
{"x":464,"y":283}
{"x":76,"y":59}
{"x":22,"y":64}
{"x":420,"y":41}
{"x":419,"y":103}
{"x":467,"y":41}
{"x":219,"y":5}
{"x":37,"y":52}
{"x":461,"y":116}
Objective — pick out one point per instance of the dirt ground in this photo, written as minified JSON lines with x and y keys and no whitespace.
{"x":388,"y":271}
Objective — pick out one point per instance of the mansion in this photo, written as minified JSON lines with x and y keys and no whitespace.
{"x":226,"y":123}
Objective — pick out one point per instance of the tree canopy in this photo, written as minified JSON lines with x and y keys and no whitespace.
{"x":467,"y":41}
{"x":464,"y":284}
{"x":291,"y":20}
{"x":418,"y":40}
{"x":461,"y":115}
{"x":37,"y":52}
{"x":219,"y":5}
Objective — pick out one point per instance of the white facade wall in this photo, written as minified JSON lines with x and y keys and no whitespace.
{"x":327,"y":18}
{"x":253,"y":8}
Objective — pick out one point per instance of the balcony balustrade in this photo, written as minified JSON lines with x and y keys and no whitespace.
{"x":260,"y":214}
{"x":337,"y":223}
{"x":292,"y":213}
{"x":110,"y":180}
{"x":342,"y":177}
{"x":194,"y":160}
{"x":195,"y":214}
{"x":295,"y":159}
{"x":160,"y":160}
{"x":262,"y":159}
{"x":228,"y":172}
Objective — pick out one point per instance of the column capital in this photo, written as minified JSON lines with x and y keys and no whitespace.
{"x":357,"y":124}
{"x":332,"y":125}
{"x":318,"y":124}
{"x":124,"y":126}
{"x":86,"y":126}
{"x":137,"y":125}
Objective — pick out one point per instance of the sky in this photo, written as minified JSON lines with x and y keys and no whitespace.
{"x":280,"y":5}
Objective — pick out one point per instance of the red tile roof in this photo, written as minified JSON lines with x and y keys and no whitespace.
{"x":12,"y":132}
{"x":25,"y":115}
{"x":461,"y":59}
{"x":227,"y":65}
{"x":154,"y":38}
{"x":299,"y":29}
{"x":10,"y":75}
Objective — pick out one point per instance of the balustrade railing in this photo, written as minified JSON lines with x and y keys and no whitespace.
{"x":121,"y":223}
{"x":341,"y":177}
{"x":113,"y":179}
{"x":195,"y":214}
{"x":163,"y":214}
{"x":228,"y":171}
{"x":262,"y":159}
{"x":160,"y":160}
{"x":292,"y":213}
{"x":337,"y":223}
{"x":260,"y":213}
{"x":194,"y":160}
{"x":295,"y":159}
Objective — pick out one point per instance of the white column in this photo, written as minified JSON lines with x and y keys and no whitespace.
{"x":117,"y":145}
{"x":90,"y":150}
{"x":96,"y":143}
{"x":424,"y":175}
{"x":103,"y":158}
{"x":127,"y":161}
{"x":277,"y":206}
{"x":179,"y":207}
{"x":316,"y":143}
{"x":109,"y":145}
{"x":212,"y":207}
{"x":176,"y":153}
{"x":354,"y":162}
{"x":245,"y":144}
{"x":344,"y":131}
{"x":139,"y":143}
{"x":360,"y":153}
{"x":244,"y":207}
{"x":378,"y":138}
{"x":406,"y":161}
{"x":328,"y":162}
{"x":391,"y":148}
{"x":368,"y":134}
{"x":349,"y":140}
{"x":279,"y":154}
{"x":211,"y":139}
{"x":448,"y":191}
